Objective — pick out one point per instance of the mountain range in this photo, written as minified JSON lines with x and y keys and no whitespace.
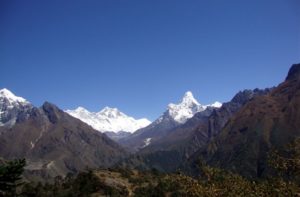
{"x":119,"y":126}
{"x":237,"y":135}
{"x":109,"y":120}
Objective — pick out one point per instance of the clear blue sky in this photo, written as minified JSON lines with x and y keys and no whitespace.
{"x":140,"y":55}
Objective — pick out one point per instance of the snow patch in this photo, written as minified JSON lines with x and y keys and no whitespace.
{"x":147,"y":142}
{"x":215,"y":104}
{"x":32,"y":145}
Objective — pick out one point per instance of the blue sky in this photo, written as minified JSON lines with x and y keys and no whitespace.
{"x":140,"y":55}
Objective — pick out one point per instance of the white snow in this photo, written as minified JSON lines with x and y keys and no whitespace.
{"x":109,"y":119}
{"x":9,"y":102}
{"x":32,"y":144}
{"x":185,"y":109}
{"x":215,"y":104}
{"x":5,"y":93}
{"x":147,"y":141}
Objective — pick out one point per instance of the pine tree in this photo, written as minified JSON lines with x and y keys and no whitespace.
{"x":10,"y":176}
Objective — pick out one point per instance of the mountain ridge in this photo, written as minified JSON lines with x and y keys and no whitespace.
{"x":55,"y":143}
{"x":109,"y":120}
{"x":266,"y":122}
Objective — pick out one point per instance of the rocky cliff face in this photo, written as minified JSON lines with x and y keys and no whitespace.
{"x":294,"y":73}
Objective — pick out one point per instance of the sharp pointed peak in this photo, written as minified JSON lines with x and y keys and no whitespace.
{"x":189,"y":98}
{"x":294,"y":72}
{"x":188,"y":94}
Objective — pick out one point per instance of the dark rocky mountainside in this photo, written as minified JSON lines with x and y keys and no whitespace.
{"x":266,"y":122}
{"x":155,"y":130}
{"x":55,"y":143}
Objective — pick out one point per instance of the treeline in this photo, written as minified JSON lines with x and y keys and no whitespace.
{"x":285,"y":181}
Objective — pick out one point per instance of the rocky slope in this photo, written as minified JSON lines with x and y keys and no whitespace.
{"x":266,"y":122}
{"x":55,"y":143}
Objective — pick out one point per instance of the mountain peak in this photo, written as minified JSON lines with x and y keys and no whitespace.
{"x":5,"y":93}
{"x":294,"y":72}
{"x":109,"y":119}
{"x":111,"y":112}
{"x":109,"y":109}
{"x":186,"y":109}
{"x":189,"y":98}
{"x":81,"y":109}
{"x":188,"y":94}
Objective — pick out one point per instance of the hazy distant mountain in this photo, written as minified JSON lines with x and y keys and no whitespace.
{"x":52,"y":141}
{"x":109,"y":120}
{"x":266,"y":122}
{"x":175,"y":115}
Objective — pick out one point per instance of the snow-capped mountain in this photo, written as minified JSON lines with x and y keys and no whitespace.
{"x":109,"y":119}
{"x":12,"y":99}
{"x":187,"y":108}
{"x":174,"y":116}
{"x":11,"y":106}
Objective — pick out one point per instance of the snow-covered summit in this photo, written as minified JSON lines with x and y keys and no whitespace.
{"x":10,"y":107}
{"x":9,"y":96}
{"x":189,"y":98}
{"x":109,"y":119}
{"x":111,"y":112}
{"x":185,"y":109}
